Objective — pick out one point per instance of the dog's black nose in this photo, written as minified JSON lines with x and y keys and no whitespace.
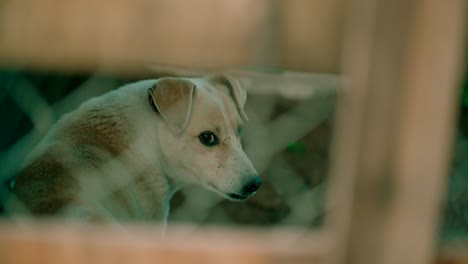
{"x":252,"y":186}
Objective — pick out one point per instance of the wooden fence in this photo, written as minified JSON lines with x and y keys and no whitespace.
{"x":401,"y":62}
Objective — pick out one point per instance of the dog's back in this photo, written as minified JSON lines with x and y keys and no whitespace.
{"x":78,"y":145}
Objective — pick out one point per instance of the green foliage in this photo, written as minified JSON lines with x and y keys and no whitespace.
{"x":464,"y":92}
{"x":464,"y":99}
{"x":296,"y":147}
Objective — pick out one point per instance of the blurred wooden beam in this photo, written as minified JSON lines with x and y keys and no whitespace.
{"x":22,"y":243}
{"x":395,"y":128}
{"x":120,"y":35}
{"x":88,"y":34}
{"x":312,"y":34}
{"x":57,"y":242}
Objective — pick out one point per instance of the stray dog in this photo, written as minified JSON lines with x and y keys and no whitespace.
{"x":122,"y":156}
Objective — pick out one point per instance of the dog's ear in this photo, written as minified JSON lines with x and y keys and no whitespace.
{"x":172,"y":98}
{"x":237,"y":91}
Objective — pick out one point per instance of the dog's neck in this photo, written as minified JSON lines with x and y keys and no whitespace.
{"x":147,"y":155}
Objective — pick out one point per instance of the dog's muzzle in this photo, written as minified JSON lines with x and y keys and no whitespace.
{"x":249,"y":189}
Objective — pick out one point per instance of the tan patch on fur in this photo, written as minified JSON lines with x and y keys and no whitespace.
{"x":99,"y":129}
{"x":45,"y":185}
{"x":173,"y":100}
{"x":172,"y":91}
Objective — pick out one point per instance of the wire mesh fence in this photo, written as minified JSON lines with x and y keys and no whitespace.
{"x":293,"y":162}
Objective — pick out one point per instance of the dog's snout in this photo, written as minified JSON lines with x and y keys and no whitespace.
{"x":253,"y":185}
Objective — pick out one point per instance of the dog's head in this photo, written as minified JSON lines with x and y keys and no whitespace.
{"x":200,"y":134}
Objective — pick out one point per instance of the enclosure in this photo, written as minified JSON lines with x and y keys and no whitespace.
{"x":357,"y":124}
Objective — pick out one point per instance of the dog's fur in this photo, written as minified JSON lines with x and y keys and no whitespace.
{"x":124,"y":154}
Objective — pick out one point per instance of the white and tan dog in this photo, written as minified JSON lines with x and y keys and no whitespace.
{"x":124,"y":154}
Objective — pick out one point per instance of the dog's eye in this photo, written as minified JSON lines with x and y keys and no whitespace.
{"x":208,"y":138}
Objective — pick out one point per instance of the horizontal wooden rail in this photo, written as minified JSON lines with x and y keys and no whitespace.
{"x":83,"y":35}
{"x":26,"y":242}
{"x":53,"y":242}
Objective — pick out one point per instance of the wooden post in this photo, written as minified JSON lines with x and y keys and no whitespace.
{"x":394,"y":128}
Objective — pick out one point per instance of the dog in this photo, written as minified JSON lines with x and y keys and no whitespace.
{"x":121,"y":156}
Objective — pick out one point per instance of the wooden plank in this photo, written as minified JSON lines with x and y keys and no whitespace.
{"x":316,"y":46}
{"x":394,"y":129}
{"x":58,"y":242}
{"x":22,"y":243}
{"x":119,"y":35}
{"x":427,"y":124}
